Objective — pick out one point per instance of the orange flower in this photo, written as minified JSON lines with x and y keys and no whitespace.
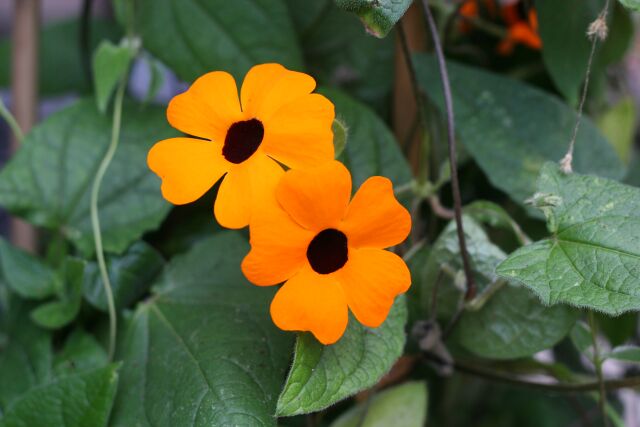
{"x":329,"y":250}
{"x":275,"y":119}
{"x":519,"y":31}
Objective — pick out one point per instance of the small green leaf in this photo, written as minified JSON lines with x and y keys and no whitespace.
{"x":110,"y":65}
{"x":59,"y":313}
{"x":181,"y":35}
{"x":511,"y":129}
{"x":509,"y":322}
{"x":514,"y":324}
{"x":81,"y":352}
{"x":203,"y":351}
{"x":131,"y":276}
{"x":323,"y":375}
{"x":340,"y":134}
{"x":48,"y":181}
{"x":401,"y":406}
{"x":581,"y":337}
{"x":372,"y":148}
{"x":619,"y":125}
{"x":494,"y":215}
{"x":631,"y":4}
{"x":625,"y":353}
{"x":593,"y":258}
{"x":378,"y":16}
{"x":25,"y":274}
{"x":79,"y":400}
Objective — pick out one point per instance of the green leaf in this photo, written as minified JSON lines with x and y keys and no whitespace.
{"x":340,"y":135}
{"x":506,"y":321}
{"x":581,"y":337}
{"x":25,"y":357}
{"x":514,"y":324}
{"x":631,"y":4}
{"x":110,"y":65}
{"x":445,"y":257}
{"x":48,"y":181}
{"x":593,"y":257}
{"x":203,"y":350}
{"x":25,"y":274}
{"x":494,"y":215}
{"x":60,"y":67}
{"x":323,"y":375}
{"x":339,"y":53}
{"x":378,"y":16}
{"x":625,"y":353}
{"x":565,"y":45}
{"x":72,"y":401}
{"x":194,"y":37}
{"x":64,"y":309}
{"x":619,"y":126}
{"x":511,"y":129}
{"x":131,"y":276}
{"x":81,"y":352}
{"x":401,"y":406}
{"x":372,"y":148}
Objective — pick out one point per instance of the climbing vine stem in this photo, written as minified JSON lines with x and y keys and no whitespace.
{"x":95,"y":217}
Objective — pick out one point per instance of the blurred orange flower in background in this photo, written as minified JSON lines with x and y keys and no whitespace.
{"x":277,"y":118}
{"x":522,"y":25}
{"x":330,"y":251}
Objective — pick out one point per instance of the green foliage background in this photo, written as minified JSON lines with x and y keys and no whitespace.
{"x":196,"y":346}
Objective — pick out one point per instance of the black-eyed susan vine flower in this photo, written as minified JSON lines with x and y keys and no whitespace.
{"x":329,"y":251}
{"x":276,"y":119}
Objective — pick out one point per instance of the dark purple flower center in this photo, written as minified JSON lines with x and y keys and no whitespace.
{"x":328,"y":251}
{"x":242,"y":140}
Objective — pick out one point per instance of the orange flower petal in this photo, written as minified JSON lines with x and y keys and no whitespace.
{"x":278,"y":248}
{"x":316,"y":198}
{"x":268,"y":87}
{"x":375,"y":218}
{"x":312,"y":302}
{"x":300,"y":134}
{"x":371,"y":279}
{"x":249,"y":186}
{"x":188,"y":167}
{"x":207,"y":108}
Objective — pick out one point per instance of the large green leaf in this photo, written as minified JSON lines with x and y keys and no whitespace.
{"x":371,"y":148}
{"x":197,"y":36}
{"x":79,"y":400}
{"x":49,"y":180}
{"x":203,"y":350}
{"x":378,"y":16}
{"x":401,"y":406}
{"x":24,"y":273}
{"x":510,"y":322}
{"x":565,"y":46}
{"x":511,"y":129}
{"x":323,"y":375}
{"x":26,"y":357}
{"x":60,"y":67}
{"x":341,"y":54}
{"x":131,"y":276}
{"x":592,"y":258}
